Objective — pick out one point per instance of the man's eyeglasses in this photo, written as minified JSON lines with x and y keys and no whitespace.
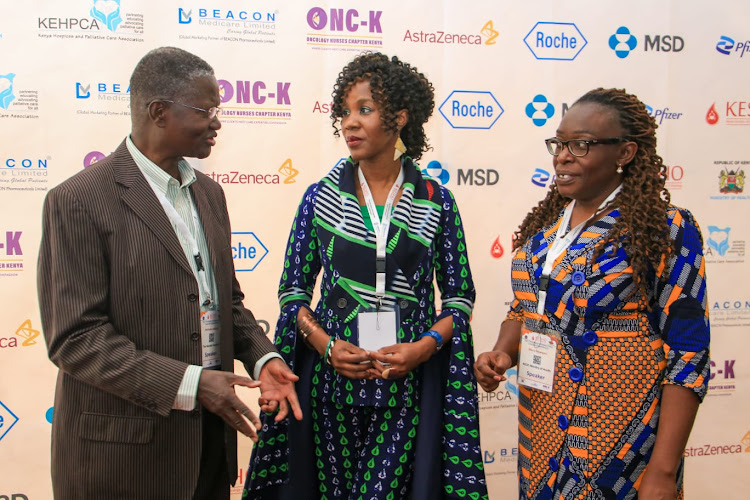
{"x":211,"y":113}
{"x":578,"y":147}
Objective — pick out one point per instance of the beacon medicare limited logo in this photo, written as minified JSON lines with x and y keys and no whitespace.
{"x":344,"y":29}
{"x":23,"y":173}
{"x":487,"y":35}
{"x":623,"y":42}
{"x":471,"y":109}
{"x":555,"y":41}
{"x":728,"y":47}
{"x":464,"y":176}
{"x":247,"y":251}
{"x":227,"y":23}
{"x":255,"y":101}
{"x":730,"y":312}
{"x":105,"y":20}
{"x":102,"y":98}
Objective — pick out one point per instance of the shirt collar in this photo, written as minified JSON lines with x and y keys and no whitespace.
{"x":155,"y":174}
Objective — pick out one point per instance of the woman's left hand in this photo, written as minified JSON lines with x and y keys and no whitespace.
{"x":397,"y":361}
{"x":657,"y":485}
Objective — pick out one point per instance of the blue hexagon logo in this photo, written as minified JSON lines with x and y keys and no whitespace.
{"x":555,"y":41}
{"x":7,"y":420}
{"x":471,"y":109}
{"x":622,"y":42}
{"x":540,"y":110}
{"x":247,"y":251}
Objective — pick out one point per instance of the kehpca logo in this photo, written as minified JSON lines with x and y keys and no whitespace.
{"x":6,"y":90}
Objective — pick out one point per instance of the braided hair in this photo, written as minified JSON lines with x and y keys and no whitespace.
{"x":642,"y":202}
{"x":395,"y":85}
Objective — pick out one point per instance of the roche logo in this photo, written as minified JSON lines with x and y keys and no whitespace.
{"x":555,"y":41}
{"x":539,"y":110}
{"x":622,"y":42}
{"x":7,"y":420}
{"x":6,"y":90}
{"x":247,"y":251}
{"x":471,"y":109}
{"x":436,"y":171}
{"x":107,"y":12}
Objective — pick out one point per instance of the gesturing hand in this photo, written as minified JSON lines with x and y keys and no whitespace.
{"x":490,"y":368}
{"x":277,"y":390}
{"x":216,"y":394}
{"x":350,"y":360}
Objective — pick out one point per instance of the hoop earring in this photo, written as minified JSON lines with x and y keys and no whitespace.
{"x":400,"y":148}
{"x":619,"y":169}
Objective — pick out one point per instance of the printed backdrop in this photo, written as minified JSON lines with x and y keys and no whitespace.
{"x":504,"y":74}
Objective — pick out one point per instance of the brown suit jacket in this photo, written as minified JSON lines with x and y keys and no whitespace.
{"x":121,"y":319}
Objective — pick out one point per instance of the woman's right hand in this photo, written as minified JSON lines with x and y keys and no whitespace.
{"x":490,"y":367}
{"x":350,"y":360}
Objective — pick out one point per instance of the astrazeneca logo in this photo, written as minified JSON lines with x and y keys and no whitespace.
{"x":539,"y":110}
{"x":471,"y":109}
{"x":718,"y":239}
{"x":25,"y":332}
{"x":107,"y":12}
{"x":92,"y":157}
{"x":7,"y":420}
{"x":436,"y":171}
{"x":555,"y":41}
{"x":622,"y":42}
{"x":6,"y":90}
{"x":247,"y":251}
{"x":288,"y":171}
{"x":341,"y":20}
{"x":727,"y":45}
{"x":440,"y":37}
{"x":212,"y":16}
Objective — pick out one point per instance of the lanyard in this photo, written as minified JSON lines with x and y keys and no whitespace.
{"x":187,"y":236}
{"x":562,"y":242}
{"x":380,"y":226}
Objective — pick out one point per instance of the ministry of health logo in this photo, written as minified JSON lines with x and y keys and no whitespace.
{"x":731,"y":181}
{"x":107,"y":12}
{"x":622,"y":42}
{"x":539,"y":110}
{"x":6,"y":90}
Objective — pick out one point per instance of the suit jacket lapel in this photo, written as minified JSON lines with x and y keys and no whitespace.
{"x":140,"y":198}
{"x":210,"y":222}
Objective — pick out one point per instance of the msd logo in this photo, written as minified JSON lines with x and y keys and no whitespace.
{"x":555,"y":41}
{"x":247,"y":251}
{"x":471,"y":109}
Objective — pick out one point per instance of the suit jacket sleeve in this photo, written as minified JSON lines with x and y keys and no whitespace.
{"x":74,"y":297}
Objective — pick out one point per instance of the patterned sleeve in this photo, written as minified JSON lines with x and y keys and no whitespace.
{"x":683,"y":316}
{"x":301,"y":262}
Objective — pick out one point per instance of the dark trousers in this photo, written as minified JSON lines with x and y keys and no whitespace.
{"x":213,"y":480}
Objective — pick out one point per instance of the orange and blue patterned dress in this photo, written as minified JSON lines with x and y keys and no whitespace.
{"x":593,"y":436}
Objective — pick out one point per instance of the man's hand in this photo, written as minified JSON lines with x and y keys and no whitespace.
{"x":277,"y":390}
{"x":490,"y":369}
{"x":216,"y":394}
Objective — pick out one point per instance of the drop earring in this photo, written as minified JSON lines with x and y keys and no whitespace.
{"x":400,"y":148}
{"x":619,"y":169}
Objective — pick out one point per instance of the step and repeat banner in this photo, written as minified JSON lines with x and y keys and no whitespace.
{"x":504,"y":75}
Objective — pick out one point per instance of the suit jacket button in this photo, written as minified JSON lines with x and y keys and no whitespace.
{"x":195,"y":414}
{"x":341,"y":303}
{"x":194,"y":337}
{"x":192,"y":297}
{"x":403,"y":303}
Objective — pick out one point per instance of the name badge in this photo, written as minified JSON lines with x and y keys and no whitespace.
{"x":536,"y":361}
{"x":377,"y":329}
{"x":210,"y":330}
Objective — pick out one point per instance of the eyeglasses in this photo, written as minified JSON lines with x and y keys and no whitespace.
{"x":211,"y":113}
{"x":578,"y":147}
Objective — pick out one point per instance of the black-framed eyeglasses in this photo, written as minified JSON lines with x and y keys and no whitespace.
{"x":211,"y":113}
{"x":578,"y":147}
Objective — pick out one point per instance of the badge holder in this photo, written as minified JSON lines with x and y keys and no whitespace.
{"x":210,"y":330}
{"x":538,"y":357}
{"x":378,"y":327}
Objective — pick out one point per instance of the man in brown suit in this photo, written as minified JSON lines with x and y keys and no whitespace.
{"x":141,"y":309}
